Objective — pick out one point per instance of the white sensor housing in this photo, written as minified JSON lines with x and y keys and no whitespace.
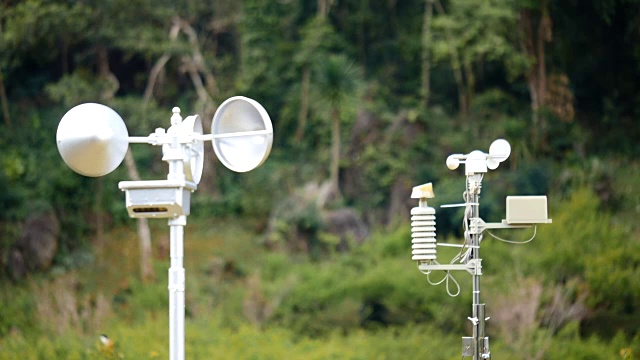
{"x":527,"y":210}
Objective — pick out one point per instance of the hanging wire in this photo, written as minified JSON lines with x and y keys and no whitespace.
{"x":535,"y":229}
{"x":465,"y":250}
{"x":447,"y":277}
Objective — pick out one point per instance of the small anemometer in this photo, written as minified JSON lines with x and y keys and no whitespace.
{"x":93,"y":140}
{"x":478,"y":162}
{"x":522,"y":212}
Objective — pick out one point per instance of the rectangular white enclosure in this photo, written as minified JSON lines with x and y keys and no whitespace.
{"x":157,"y":198}
{"x":527,"y":210}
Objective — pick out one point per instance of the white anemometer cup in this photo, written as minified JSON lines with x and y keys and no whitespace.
{"x":93,"y":140}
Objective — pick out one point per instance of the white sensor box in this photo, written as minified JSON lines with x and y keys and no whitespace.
{"x":157,"y":198}
{"x":527,"y":210}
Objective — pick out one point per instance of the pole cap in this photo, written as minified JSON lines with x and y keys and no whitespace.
{"x":424,"y":191}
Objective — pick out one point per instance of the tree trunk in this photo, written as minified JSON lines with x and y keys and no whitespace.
{"x":210,"y":84}
{"x":65,"y":57}
{"x":144,"y":233}
{"x":99,"y":212}
{"x":159,"y":65}
{"x":153,"y":77}
{"x":144,"y":236}
{"x":155,"y":73}
{"x":335,"y":149}
{"x":527,"y":46}
{"x":5,"y":103}
{"x":456,"y":67}
{"x":304,"y":103}
{"x":112,"y":84}
{"x":469,"y":95}
{"x":426,"y":58}
{"x":471,"y":81}
{"x":323,"y":11}
{"x":533,"y":46}
{"x":324,"y":6}
{"x":544,"y":35}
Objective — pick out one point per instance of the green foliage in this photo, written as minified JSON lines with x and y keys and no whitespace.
{"x":80,"y":87}
{"x":336,"y":81}
{"x":375,"y":286}
{"x":208,"y":340}
{"x":18,"y":347}
{"x":17,"y":311}
{"x":372,"y":303}
{"x":570,"y":345}
{"x":581,"y":231}
{"x":264,"y":61}
{"x":318,"y":37}
{"x":369,"y":301}
{"x":32,"y":26}
{"x":475,"y":31}
{"x":39,"y":180}
{"x":611,"y":276}
{"x":140,"y":299}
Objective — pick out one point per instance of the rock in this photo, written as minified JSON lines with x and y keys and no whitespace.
{"x":16,"y":265}
{"x":300,"y":221}
{"x":37,"y":245}
{"x":346,"y":224}
{"x":400,"y":202}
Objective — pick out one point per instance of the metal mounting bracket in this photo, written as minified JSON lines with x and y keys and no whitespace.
{"x":473,"y":267}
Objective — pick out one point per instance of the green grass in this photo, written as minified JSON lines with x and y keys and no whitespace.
{"x":246,"y":302}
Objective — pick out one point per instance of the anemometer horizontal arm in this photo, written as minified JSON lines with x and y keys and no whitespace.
{"x":154,"y":139}
{"x":234,"y":134}
{"x":148,"y":140}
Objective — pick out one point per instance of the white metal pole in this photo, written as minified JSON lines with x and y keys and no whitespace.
{"x":176,"y":289}
{"x":480,"y":351}
{"x":472,"y":197}
{"x":175,"y":158}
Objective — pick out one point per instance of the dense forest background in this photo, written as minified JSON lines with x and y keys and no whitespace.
{"x":309,"y":255}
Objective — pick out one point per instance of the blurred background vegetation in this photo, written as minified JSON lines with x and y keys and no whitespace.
{"x":309,"y":255}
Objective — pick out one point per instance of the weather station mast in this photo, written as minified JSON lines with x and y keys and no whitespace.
{"x":521,"y":212}
{"x":93,"y":140}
